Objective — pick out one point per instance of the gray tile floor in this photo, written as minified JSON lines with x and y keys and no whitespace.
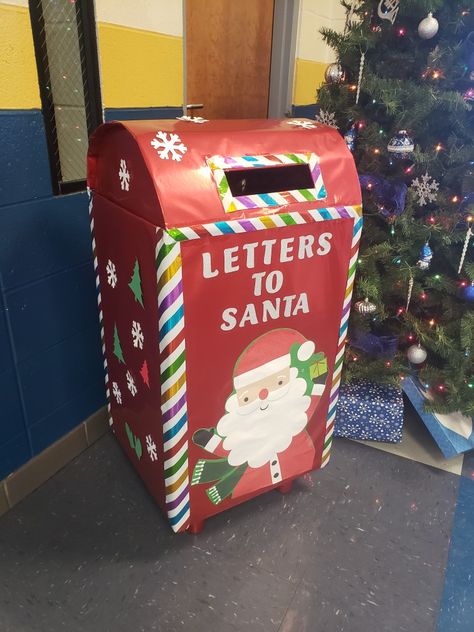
{"x":359,"y":547}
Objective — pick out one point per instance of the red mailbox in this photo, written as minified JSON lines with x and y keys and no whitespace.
{"x":225,"y":254}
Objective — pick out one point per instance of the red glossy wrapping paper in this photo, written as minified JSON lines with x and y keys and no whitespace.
{"x":225,"y":315}
{"x":172,"y":193}
{"x":223,"y":318}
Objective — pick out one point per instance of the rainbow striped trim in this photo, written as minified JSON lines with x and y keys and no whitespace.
{"x":173,"y":379}
{"x":219,"y":165}
{"x":173,"y":348}
{"x":99,"y":304}
{"x":336,"y":378}
{"x":266,"y":221}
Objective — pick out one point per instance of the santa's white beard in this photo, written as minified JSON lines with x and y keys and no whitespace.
{"x":254,"y":436}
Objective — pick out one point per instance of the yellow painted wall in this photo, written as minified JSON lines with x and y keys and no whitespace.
{"x":309,"y":75}
{"x":140,"y":68}
{"x":18,"y":76}
{"x":312,"y":54}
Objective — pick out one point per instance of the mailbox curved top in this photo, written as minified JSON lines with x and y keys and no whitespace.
{"x":176,"y":173}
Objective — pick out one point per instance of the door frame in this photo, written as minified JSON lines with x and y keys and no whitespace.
{"x":283,"y":61}
{"x":283,"y":58}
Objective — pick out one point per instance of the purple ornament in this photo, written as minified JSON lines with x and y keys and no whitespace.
{"x":389,"y":196}
{"x":373,"y":345}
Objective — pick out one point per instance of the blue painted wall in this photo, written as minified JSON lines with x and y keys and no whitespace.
{"x":51,"y":375}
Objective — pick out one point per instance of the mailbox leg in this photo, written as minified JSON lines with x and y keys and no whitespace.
{"x":196,"y":526}
{"x":286,"y":487}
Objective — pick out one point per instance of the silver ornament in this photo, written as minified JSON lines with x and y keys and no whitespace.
{"x":428,"y":27}
{"x":334,"y":74}
{"x":416,"y":354}
{"x":365,"y":307}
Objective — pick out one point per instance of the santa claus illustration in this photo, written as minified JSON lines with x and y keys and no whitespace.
{"x":261,"y":439}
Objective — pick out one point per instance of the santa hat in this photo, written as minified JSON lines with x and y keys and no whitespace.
{"x":268,"y":354}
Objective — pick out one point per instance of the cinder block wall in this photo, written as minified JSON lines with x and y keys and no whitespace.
{"x":51,"y":376}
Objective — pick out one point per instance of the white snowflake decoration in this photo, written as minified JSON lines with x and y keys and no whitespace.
{"x":131,"y":384}
{"x":426,"y":189}
{"x":169,"y":145}
{"x":303,"y":124}
{"x":111,"y":273}
{"x":124,"y":176}
{"x":192,"y":119}
{"x":137,"y":335}
{"x":327,"y":118}
{"x":116,"y":392}
{"x":151,"y":448}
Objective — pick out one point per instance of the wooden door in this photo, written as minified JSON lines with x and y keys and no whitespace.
{"x":228,"y":53}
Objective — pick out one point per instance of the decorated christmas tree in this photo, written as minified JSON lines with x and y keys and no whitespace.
{"x":402,"y":93}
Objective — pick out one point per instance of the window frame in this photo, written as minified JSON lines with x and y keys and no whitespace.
{"x":89,"y":61}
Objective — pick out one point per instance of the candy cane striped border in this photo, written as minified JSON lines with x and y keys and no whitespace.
{"x":219,"y":165}
{"x":267,"y":221}
{"x":172,"y":339}
{"x":173,"y":379}
{"x":99,"y":304}
{"x":336,"y":378}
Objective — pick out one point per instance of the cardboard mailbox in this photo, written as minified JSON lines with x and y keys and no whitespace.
{"x":225,"y":254}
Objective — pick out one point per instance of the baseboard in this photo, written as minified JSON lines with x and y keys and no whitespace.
{"x":38,"y":470}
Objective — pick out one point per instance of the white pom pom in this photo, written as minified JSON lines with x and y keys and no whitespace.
{"x":306,"y":350}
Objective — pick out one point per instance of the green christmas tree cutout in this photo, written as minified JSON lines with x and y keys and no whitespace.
{"x":134,"y":441}
{"x":117,"y":346}
{"x":136,"y":284}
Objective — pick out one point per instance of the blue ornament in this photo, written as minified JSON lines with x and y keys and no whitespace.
{"x":468,"y":293}
{"x":401,"y":145}
{"x":426,"y":255}
{"x":350,"y":137}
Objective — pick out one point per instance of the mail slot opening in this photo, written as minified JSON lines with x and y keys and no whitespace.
{"x":269,"y":179}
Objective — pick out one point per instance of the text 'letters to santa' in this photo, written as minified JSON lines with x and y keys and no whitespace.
{"x":260,"y":258}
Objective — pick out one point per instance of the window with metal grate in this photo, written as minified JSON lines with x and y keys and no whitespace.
{"x":64,"y":34}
